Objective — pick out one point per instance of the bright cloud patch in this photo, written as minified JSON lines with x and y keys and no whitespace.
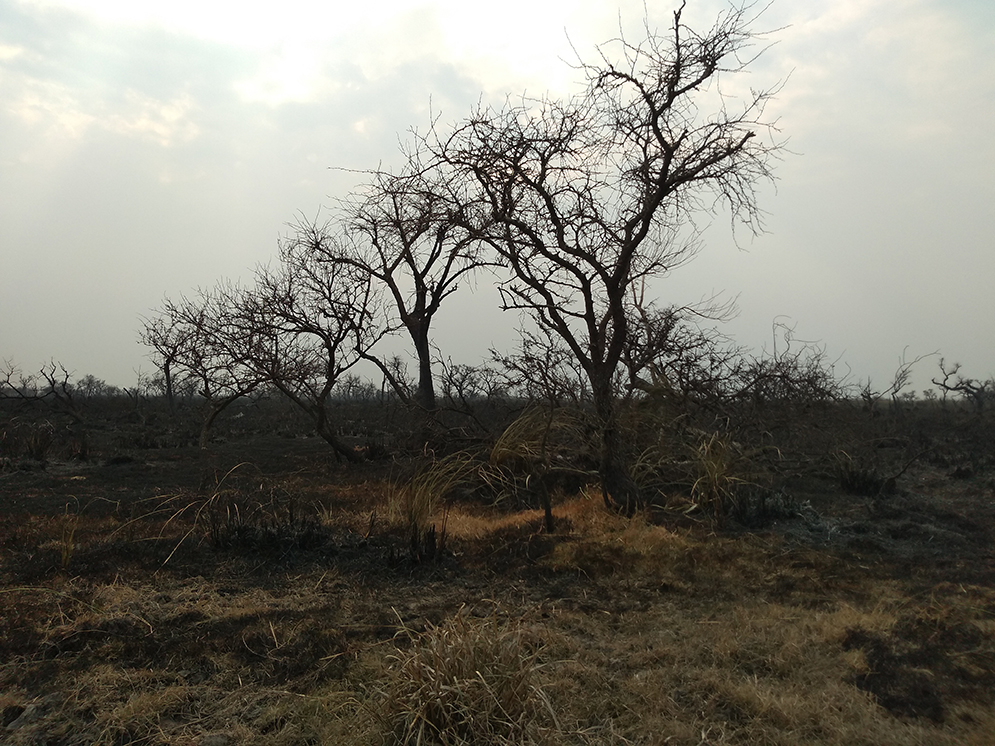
{"x":165,"y":122}
{"x":54,"y":110}
{"x":47,"y":107}
{"x":9,"y":52}
{"x":288,"y":75}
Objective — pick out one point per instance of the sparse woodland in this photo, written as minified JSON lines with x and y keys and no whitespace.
{"x":628,"y":529}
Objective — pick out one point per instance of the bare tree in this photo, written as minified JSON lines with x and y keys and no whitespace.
{"x":899,"y":382}
{"x":970,"y":389}
{"x":198,"y":339}
{"x":404,"y":231}
{"x":670,"y":355}
{"x":299,"y":328}
{"x":89,"y":387}
{"x":53,"y":382}
{"x":312,"y":319}
{"x":583,"y":199}
{"x":168,"y":337}
{"x":543,"y":370}
{"x":13,"y":383}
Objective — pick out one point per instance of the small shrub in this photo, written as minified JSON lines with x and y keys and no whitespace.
{"x":38,"y":440}
{"x":267,"y":521}
{"x":467,"y":682}
{"x":857,"y":478}
{"x":30,"y":439}
{"x":759,"y":507}
{"x":78,"y":445}
{"x":259,"y":518}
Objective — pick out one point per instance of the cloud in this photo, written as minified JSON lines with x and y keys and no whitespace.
{"x":46,"y":106}
{"x":899,"y":72}
{"x":63,"y":82}
{"x":10,"y":51}
{"x":164,"y":122}
{"x":58,"y":116}
{"x":288,"y":74}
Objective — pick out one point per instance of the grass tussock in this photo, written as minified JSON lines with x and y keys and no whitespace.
{"x":721,"y":469}
{"x":415,"y":501}
{"x":540,"y":434}
{"x":468,"y":681}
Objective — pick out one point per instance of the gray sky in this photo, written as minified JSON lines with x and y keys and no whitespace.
{"x":150,"y":148}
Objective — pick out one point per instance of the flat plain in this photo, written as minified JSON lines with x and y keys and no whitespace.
{"x":260,"y":592}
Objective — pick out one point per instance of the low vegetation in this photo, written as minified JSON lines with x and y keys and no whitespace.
{"x":832,"y":582}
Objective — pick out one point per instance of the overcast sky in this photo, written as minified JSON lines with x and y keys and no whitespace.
{"x":148,"y":148}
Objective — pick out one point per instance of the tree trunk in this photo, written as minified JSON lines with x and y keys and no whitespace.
{"x":425,"y":395}
{"x":212,"y":415}
{"x":167,"y":373}
{"x":215,"y":408}
{"x":618,"y":489}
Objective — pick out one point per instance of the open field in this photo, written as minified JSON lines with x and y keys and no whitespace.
{"x":257,"y":592}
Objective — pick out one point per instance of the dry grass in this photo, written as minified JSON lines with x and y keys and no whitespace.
{"x":537,"y":435}
{"x":611,"y":631}
{"x":414,"y":502}
{"x":468,"y":681}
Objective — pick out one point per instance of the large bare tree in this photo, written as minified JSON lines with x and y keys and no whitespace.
{"x":584,"y":198}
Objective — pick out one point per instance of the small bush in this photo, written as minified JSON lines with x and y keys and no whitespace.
{"x":467,"y":682}
{"x":269,"y":521}
{"x":857,"y":478}
{"x":759,"y":507}
{"x":38,"y":440}
{"x":29,"y":439}
{"x":77,"y":445}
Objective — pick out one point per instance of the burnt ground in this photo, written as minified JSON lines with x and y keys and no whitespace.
{"x":261,"y":592}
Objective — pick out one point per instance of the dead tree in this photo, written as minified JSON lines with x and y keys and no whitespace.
{"x":53,"y":383}
{"x":973,"y":390}
{"x":586,"y":198}
{"x":167,"y":336}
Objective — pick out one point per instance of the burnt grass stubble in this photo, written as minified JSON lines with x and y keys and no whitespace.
{"x":116,"y":558}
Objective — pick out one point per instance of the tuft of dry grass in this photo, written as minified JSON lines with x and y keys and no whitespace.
{"x":535,"y":433}
{"x":467,"y":681}
{"x":720,"y":468}
{"x":414,"y":502}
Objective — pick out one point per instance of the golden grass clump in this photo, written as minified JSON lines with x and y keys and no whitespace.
{"x":468,"y":681}
{"x":720,"y":469}
{"x":534,"y":433}
{"x":415,"y":500}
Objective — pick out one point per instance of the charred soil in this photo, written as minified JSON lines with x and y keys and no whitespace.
{"x":260,"y":592}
